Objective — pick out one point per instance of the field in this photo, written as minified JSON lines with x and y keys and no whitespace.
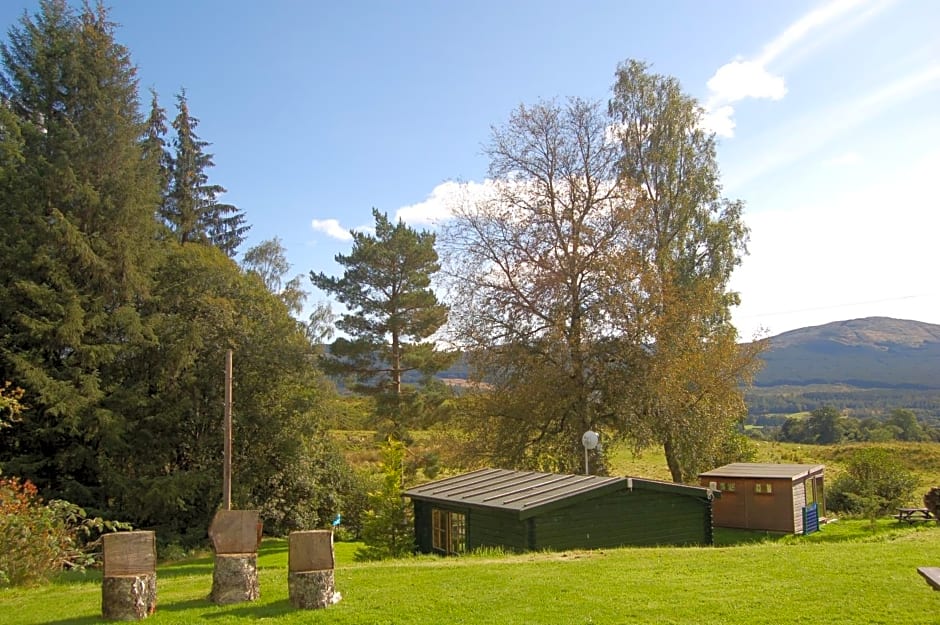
{"x":846,"y":573}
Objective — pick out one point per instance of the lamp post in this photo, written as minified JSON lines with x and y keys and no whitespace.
{"x":589,"y":439}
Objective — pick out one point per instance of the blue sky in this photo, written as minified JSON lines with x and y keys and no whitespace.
{"x":828,"y":114}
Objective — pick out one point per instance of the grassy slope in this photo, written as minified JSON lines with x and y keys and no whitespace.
{"x":791,"y":581}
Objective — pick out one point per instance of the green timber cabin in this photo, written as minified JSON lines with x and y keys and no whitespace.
{"x":527,"y":511}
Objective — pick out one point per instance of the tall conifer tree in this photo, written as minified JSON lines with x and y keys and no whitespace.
{"x":192,"y":209}
{"x":77,"y":245}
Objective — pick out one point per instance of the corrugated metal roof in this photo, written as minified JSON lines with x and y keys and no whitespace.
{"x":529,"y":492}
{"x":764,"y":470}
{"x":519,"y":491}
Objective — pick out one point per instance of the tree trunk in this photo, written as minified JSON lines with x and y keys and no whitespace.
{"x":672,"y":460}
{"x":312,"y":589}
{"x":235,"y":578}
{"x":128,"y":597}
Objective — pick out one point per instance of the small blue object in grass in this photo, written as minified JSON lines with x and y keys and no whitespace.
{"x":337,"y":520}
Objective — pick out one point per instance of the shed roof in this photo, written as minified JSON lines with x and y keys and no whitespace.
{"x":759,"y":470}
{"x":529,"y":492}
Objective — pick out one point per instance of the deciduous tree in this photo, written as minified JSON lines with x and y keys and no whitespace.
{"x":688,"y":240}
{"x":591,"y":287}
{"x":534,"y":269}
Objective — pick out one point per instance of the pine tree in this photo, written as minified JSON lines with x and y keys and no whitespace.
{"x":386,"y":286}
{"x":192,"y":209}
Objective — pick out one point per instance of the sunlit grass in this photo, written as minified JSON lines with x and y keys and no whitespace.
{"x":845,"y":573}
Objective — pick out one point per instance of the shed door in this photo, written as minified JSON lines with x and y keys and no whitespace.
{"x":448,"y":531}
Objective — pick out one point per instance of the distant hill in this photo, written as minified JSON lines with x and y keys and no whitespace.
{"x":875,"y":352}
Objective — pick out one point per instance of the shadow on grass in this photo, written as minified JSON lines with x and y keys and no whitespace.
{"x":254,"y":611}
{"x":80,"y":620}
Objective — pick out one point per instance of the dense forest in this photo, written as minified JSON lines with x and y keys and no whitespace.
{"x":120,"y":293}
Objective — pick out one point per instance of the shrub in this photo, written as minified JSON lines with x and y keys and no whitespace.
{"x":37,"y":540}
{"x":874,"y":483}
{"x":387,"y":526}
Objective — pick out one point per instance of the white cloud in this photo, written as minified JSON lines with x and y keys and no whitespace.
{"x":437,"y":207}
{"x":719,"y":120}
{"x":331,"y":228}
{"x":750,"y":78}
{"x":746,"y":79}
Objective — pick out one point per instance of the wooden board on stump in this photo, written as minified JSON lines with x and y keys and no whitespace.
{"x":310,"y":580}
{"x":235,"y":531}
{"x":235,"y":536}
{"x":129,"y":586}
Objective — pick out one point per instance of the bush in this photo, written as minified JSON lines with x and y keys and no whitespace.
{"x":387,"y":529}
{"x":873,"y":484}
{"x":37,"y":540}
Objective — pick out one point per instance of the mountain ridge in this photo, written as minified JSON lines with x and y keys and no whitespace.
{"x":869,"y":352}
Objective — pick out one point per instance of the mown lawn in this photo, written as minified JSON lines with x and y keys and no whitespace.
{"x":844,"y":574}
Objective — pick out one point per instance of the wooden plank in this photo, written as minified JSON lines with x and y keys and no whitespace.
{"x":310,"y":551}
{"x":931,"y":574}
{"x":129,"y":553}
{"x":235,"y":531}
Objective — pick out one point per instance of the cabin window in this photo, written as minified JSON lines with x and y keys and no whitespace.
{"x":726,"y":487}
{"x":448,"y":531}
{"x":764,"y":488}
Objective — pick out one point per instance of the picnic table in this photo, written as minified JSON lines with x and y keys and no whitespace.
{"x":912,"y":515}
{"x":931,"y":574}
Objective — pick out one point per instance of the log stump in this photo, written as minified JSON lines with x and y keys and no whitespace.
{"x":235,"y":578}
{"x":128,"y":597}
{"x":311,"y":589}
{"x":235,"y":536}
{"x":129,"y":585}
{"x":310,"y":580}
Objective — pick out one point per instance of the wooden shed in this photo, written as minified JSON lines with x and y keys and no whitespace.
{"x":525,"y":510}
{"x":775,"y":497}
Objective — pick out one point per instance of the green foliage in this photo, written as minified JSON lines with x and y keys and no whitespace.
{"x":873,"y":484}
{"x":38,"y":540}
{"x":387,"y":528}
{"x":393,"y":312}
{"x":77,"y":245}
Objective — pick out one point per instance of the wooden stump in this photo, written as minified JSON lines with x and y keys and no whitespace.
{"x":235,"y":578}
{"x":128,"y":597}
{"x":312,"y":589}
{"x":310,"y":581}
{"x":129,"y":586}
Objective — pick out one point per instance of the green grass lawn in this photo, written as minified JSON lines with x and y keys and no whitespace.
{"x":843,"y":574}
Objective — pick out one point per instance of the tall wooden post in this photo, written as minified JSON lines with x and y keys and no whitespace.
{"x":227,"y":470}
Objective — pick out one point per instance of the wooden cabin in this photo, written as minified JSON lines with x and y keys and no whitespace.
{"x":775,"y":497}
{"x":525,"y":510}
